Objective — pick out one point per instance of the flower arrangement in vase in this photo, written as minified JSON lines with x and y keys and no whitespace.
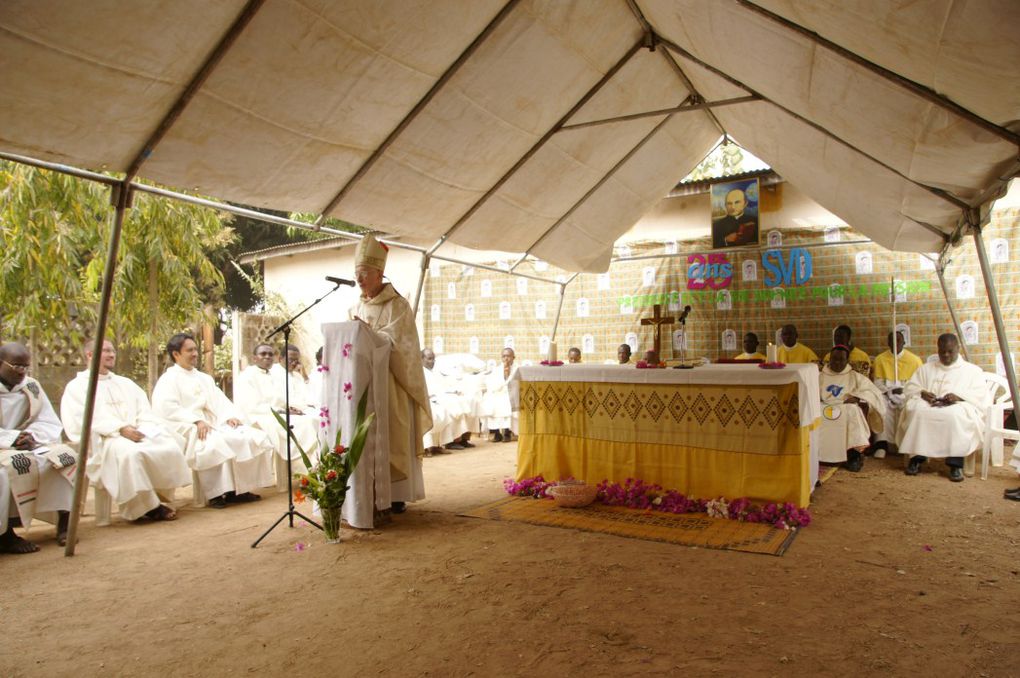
{"x":325,"y":482}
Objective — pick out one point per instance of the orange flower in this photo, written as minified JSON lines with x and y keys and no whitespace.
{"x":299,"y":497}
{"x":304,"y":481}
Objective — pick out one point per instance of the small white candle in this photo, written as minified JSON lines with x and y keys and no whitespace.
{"x":552,"y":351}
{"x":772,"y":353}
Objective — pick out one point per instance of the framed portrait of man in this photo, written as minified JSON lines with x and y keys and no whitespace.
{"x":735,"y":213}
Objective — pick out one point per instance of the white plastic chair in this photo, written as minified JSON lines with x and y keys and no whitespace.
{"x":995,"y":431}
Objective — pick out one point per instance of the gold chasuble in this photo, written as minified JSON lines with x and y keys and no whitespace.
{"x":410,"y":415}
{"x":908,"y":364}
{"x":798,"y":354}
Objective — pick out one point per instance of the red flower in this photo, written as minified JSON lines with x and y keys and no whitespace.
{"x":304,"y":481}
{"x":331,"y":475}
{"x":339,"y":449}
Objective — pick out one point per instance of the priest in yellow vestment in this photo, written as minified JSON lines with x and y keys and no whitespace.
{"x":890,"y":374}
{"x":410,"y":416}
{"x":791,"y":350}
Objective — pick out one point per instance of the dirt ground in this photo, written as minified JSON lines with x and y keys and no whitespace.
{"x":433,"y":594}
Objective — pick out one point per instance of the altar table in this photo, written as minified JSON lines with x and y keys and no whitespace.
{"x":715,"y":430}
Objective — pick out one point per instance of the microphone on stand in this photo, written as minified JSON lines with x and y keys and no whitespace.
{"x":349,"y":283}
{"x":683,"y":316}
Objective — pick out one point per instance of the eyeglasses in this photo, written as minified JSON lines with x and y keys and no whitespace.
{"x":20,"y":368}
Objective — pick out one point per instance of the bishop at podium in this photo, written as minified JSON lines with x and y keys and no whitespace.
{"x":387,"y":313}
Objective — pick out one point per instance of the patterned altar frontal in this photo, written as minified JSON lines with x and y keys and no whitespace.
{"x":705,"y":440}
{"x":762,"y":420}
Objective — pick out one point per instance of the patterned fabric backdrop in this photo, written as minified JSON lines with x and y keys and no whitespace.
{"x":478,"y":311}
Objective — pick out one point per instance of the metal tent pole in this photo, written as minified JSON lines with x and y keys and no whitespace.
{"x":939,"y":268}
{"x":121,"y":199}
{"x":1000,"y":332}
{"x":421,"y":282}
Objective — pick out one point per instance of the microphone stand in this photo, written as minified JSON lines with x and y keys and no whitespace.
{"x":291,"y":511}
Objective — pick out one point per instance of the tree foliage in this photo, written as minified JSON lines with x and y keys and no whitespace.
{"x":56,"y":231}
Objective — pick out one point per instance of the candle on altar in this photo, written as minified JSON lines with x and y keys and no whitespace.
{"x":772,"y":353}
{"x":552,"y":352}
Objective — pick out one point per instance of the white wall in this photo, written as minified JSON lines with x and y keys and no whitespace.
{"x":300,"y":279}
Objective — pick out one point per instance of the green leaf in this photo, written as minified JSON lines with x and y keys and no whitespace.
{"x":293,"y":438}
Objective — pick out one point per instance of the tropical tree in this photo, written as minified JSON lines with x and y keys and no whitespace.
{"x":56,"y":230}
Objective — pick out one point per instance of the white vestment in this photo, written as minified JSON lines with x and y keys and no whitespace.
{"x":410,"y":413}
{"x":39,"y":482}
{"x":229,"y":459}
{"x":835,"y":388}
{"x":452,"y":412}
{"x":135,"y":475}
{"x":258,"y":393}
{"x":314,"y":388}
{"x":496,"y":406}
{"x":951,"y":431}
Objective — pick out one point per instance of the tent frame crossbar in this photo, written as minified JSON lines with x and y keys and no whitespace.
{"x":447,"y":75}
{"x":682,"y":108}
{"x":598,"y":184}
{"x":937,"y":192}
{"x":592,"y":91}
{"x":913,"y":87}
{"x":653,"y":38}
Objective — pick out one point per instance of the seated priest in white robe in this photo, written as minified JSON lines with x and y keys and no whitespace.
{"x":890,"y":373}
{"x":231,"y":459}
{"x":38,"y":469}
{"x":137,"y":460}
{"x":315,"y":380}
{"x":500,"y":418}
{"x":452,"y":412}
{"x":944,"y":411}
{"x":258,"y":393}
{"x":388,"y":314}
{"x":848,"y":395}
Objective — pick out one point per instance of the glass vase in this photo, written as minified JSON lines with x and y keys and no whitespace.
{"x":331,"y":523}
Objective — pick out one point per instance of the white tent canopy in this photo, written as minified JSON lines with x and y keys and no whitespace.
{"x":458,"y":119}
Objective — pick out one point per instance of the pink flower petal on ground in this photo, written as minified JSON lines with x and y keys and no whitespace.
{"x":926,"y":547}
{"x":299,"y":547}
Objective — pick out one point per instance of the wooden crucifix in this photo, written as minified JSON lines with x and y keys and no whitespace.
{"x":658,"y":321}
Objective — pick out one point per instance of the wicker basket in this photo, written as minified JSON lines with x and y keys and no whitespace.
{"x":573,"y":494}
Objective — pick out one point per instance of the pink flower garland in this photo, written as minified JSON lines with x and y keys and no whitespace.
{"x":638,"y":494}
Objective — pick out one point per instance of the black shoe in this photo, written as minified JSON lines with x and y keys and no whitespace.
{"x":1012,"y":495}
{"x":219,"y":502}
{"x":398,"y":507}
{"x":454,"y":446}
{"x":465,"y":443}
{"x":243,"y":498}
{"x":914,"y":467}
{"x":956,"y":474}
{"x":508,"y":436}
{"x":854,"y":462}
{"x":497,"y":437}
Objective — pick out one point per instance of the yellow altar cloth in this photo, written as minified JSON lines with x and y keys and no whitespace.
{"x":740,"y":436}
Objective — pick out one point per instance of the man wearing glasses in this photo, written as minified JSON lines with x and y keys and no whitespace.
{"x":38,"y":470}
